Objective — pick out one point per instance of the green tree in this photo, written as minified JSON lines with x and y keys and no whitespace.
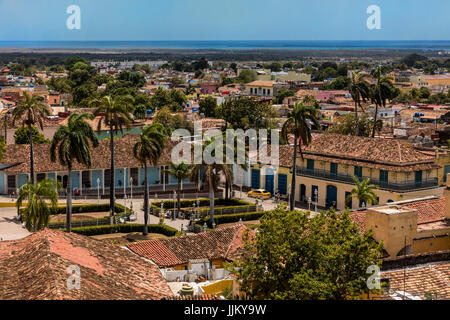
{"x":172,"y":122}
{"x":209,"y":174}
{"x":297,"y":257}
{"x":178,"y":99}
{"x":72,"y":143}
{"x":379,"y":93}
{"x":115,"y":114}
{"x":346,"y":125}
{"x":245,"y":113}
{"x":160,"y":99}
{"x":179,"y":171}
{"x":360,"y":90}
{"x":425,"y":93}
{"x":37,"y":211}
{"x":31,"y":112}
{"x":363,"y":191}
{"x":298,"y":124}
{"x":246,"y":76}
{"x":21,"y":136}
{"x":148,"y":151}
{"x":208,"y":106}
{"x":283,"y":93}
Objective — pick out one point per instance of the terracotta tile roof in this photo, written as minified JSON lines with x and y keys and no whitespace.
{"x":428,"y":210}
{"x":221,"y":243}
{"x":431,"y":279}
{"x":100,"y":156}
{"x":377,"y":153}
{"x":156,"y":251}
{"x":35,"y":267}
{"x":259,"y":83}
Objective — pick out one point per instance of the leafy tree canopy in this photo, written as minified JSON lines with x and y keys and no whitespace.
{"x":295,"y":256}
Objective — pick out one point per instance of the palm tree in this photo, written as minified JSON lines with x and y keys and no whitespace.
{"x":72,"y":142}
{"x":5,"y":125}
{"x":148,"y":151}
{"x":115,"y":114}
{"x":210,"y":175}
{"x":30,"y":112}
{"x":180,"y":171}
{"x":380,"y":91}
{"x":37,"y":211}
{"x":360,"y":90}
{"x":299,"y":123}
{"x":363,"y":191}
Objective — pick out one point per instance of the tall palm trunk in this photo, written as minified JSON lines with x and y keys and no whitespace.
{"x":69,"y":203}
{"x":6,"y":131}
{"x":179,"y":196}
{"x":30,"y":132}
{"x":211,"y":199}
{"x":227,"y":187}
{"x":294,"y":164}
{"x":356,"y":119}
{"x":145,"y":202}
{"x":112,"y":193}
{"x":375,"y":120}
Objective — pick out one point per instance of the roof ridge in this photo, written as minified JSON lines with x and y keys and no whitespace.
{"x":230,"y":245}
{"x":399,"y":149}
{"x":46,"y":240}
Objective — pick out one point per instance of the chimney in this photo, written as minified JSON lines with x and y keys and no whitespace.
{"x":395,"y":226}
{"x":447,"y":198}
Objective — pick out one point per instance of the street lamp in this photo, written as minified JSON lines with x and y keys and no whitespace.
{"x":316,"y":192}
{"x":131,"y":194}
{"x":174,"y":204}
{"x":98,"y":190}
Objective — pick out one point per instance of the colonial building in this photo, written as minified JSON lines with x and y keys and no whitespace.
{"x":401,"y":172}
{"x":15,"y":168}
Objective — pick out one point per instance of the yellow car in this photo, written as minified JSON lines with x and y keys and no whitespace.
{"x":260,"y":194}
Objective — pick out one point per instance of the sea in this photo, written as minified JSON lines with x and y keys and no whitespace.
{"x":437,"y":45}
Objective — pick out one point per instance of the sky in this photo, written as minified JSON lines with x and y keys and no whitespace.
{"x":45,"y":20}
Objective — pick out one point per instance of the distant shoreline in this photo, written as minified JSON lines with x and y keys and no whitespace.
{"x":223,"y":45}
{"x":222,"y":50}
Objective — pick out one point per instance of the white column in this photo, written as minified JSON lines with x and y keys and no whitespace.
{"x":124,"y":180}
{"x":164,"y":178}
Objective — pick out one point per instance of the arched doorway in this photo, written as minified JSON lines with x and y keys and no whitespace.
{"x":331,"y":200}
{"x":302,"y":192}
{"x":64,"y":183}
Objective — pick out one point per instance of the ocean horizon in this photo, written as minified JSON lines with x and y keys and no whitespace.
{"x":435,"y":45}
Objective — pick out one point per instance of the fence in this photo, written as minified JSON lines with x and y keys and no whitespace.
{"x":81,"y":223}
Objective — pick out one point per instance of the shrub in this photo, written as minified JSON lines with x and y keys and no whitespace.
{"x":90,"y":208}
{"x":203,"y":202}
{"x":228,"y":218}
{"x":126,"y":228}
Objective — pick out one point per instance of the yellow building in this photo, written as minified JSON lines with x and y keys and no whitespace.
{"x":400,"y":172}
{"x":274,"y":180}
{"x":415,"y":226}
{"x":260,"y":88}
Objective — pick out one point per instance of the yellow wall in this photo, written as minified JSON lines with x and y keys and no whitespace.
{"x":218,"y":287}
{"x":431,"y":245}
{"x":384,"y":195}
{"x":443,"y":159}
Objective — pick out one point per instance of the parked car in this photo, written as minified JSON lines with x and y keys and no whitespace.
{"x":259,"y":193}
